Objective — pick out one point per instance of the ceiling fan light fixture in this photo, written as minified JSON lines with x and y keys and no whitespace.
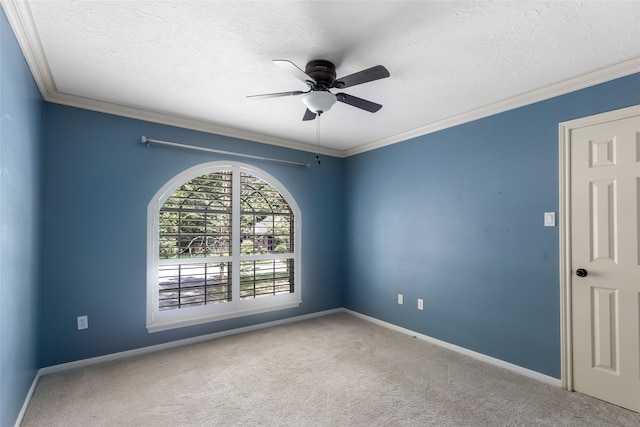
{"x":319,"y":101}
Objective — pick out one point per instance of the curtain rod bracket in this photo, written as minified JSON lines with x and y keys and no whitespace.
{"x":144,"y":140}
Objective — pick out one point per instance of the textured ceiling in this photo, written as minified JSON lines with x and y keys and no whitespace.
{"x":198,"y":60}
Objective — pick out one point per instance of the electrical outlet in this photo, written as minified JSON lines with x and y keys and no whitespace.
{"x":83,"y":322}
{"x":400,"y":299}
{"x":420,"y":304}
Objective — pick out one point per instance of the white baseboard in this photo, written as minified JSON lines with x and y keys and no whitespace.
{"x":180,"y":343}
{"x":173,"y":344}
{"x":154,"y":348}
{"x":27,"y":399}
{"x":479,"y":356}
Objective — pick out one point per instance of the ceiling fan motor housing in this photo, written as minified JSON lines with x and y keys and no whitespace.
{"x":323,"y":72}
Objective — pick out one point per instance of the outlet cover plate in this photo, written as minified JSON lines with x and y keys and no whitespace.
{"x":83,"y":322}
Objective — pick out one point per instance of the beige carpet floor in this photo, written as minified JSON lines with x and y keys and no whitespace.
{"x":336,"y":370}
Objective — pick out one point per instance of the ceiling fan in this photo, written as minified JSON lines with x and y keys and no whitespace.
{"x":320,"y":77}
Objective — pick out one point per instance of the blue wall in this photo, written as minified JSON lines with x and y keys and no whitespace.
{"x":20,"y":109}
{"x":456,"y":218}
{"x":98,"y":180}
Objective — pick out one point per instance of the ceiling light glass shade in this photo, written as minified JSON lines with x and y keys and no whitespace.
{"x":319,"y":101}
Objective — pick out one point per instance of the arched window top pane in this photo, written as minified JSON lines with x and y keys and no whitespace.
{"x":195,"y":221}
{"x":266,"y":218}
{"x":207,"y":192}
{"x":259,"y":197}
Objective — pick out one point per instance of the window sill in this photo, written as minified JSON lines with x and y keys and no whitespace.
{"x":197,"y":317}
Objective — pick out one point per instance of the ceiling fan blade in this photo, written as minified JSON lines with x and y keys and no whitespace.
{"x":364,"y":76}
{"x":369,"y":106}
{"x":293,"y":69}
{"x":276,"y":95}
{"x":309,"y":115}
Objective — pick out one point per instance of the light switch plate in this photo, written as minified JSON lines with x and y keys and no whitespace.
{"x":549,"y":219}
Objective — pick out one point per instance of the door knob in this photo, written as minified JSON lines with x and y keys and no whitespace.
{"x":581,"y":272}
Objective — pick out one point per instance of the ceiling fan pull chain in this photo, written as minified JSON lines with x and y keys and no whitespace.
{"x":318,"y":139}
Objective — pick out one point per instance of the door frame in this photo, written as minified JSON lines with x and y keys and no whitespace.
{"x":566,"y":326}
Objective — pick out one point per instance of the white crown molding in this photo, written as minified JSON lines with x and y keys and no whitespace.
{"x":185,"y":122}
{"x":21,"y":21}
{"x":622,"y":69}
{"x":23,"y":26}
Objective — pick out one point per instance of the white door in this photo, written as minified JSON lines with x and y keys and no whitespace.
{"x":605,"y":239}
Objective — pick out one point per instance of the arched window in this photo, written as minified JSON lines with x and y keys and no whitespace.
{"x":223,"y":242}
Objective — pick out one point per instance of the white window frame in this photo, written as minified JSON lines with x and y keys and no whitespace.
{"x":158,"y":320}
